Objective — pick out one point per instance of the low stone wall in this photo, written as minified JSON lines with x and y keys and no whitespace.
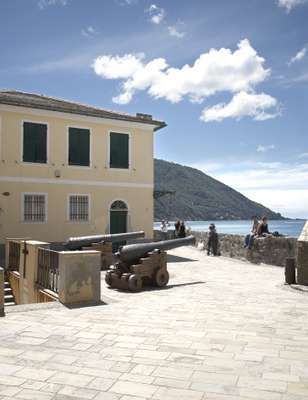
{"x":268,"y":250}
{"x":159,"y":235}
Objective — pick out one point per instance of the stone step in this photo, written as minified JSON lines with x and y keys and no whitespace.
{"x":8,"y":298}
{"x":10,"y":304}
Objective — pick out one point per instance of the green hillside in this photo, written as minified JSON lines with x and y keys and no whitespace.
{"x":199,"y":197}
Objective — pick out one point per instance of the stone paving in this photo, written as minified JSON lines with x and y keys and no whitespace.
{"x":222,"y":330}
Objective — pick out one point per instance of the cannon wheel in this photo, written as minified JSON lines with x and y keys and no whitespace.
{"x":161,"y":277}
{"x":134,"y":283}
{"x":108,"y":278}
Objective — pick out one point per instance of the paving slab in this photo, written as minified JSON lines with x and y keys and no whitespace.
{"x":222,"y":329}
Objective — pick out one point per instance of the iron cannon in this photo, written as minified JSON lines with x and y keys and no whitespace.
{"x":143,"y":264}
{"x":77,"y":243}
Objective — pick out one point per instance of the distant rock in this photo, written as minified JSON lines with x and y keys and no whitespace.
{"x":198,"y":197}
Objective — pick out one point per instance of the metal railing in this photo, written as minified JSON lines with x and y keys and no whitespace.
{"x":14,"y":255}
{"x":48,"y":269}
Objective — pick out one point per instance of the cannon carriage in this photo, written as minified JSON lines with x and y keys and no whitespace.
{"x":140,"y":265}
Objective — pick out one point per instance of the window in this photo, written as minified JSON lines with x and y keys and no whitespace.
{"x":79,"y":208}
{"x":79,"y":147}
{"x":34,"y":142}
{"x":34,"y":207}
{"x":119,"y":150}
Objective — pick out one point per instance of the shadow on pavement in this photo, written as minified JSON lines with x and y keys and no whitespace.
{"x":85,"y":304}
{"x":174,"y":259}
{"x":157,"y":289}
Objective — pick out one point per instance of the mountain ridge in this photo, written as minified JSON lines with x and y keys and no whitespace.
{"x":198,"y":196}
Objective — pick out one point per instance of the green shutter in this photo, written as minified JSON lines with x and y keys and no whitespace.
{"x":79,"y":147}
{"x":34,"y":142}
{"x":119,"y":150}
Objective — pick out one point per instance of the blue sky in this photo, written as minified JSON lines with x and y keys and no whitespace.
{"x":229,"y":77}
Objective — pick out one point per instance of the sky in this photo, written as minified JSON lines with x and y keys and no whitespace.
{"x":230,"y":78}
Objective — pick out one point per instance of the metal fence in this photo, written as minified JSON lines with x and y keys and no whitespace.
{"x":48,"y":269}
{"x":14,"y":255}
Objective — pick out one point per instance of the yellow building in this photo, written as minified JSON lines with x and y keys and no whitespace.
{"x":68,"y":169}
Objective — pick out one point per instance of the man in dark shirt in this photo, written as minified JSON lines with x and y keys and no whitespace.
{"x":262,"y":229}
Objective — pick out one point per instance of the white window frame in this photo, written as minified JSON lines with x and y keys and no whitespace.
{"x":68,"y":208}
{"x":68,"y":144}
{"x":129,"y":150}
{"x":23,"y":207}
{"x":22,"y":142}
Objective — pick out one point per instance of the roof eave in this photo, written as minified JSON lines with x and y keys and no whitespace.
{"x":158,"y":124}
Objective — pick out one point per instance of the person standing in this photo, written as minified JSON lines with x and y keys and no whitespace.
{"x":212,"y":243}
{"x":182,"y":230}
{"x":177,"y":228}
{"x":164,"y":229}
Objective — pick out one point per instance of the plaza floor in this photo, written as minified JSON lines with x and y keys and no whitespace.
{"x":223,"y":329}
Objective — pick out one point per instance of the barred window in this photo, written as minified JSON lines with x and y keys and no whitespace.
{"x":34,"y":208}
{"x":79,"y":208}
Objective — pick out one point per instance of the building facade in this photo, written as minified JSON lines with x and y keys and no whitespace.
{"x":68,"y":169}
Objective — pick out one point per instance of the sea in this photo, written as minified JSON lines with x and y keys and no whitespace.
{"x":291,"y":228}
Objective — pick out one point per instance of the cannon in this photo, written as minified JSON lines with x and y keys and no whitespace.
{"x":78,"y":242}
{"x":143,"y":264}
{"x":102,"y":243}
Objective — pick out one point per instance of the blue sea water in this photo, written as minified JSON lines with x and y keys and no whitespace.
{"x":291,"y":228}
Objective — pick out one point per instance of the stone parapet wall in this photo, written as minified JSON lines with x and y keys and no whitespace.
{"x":269,"y":250}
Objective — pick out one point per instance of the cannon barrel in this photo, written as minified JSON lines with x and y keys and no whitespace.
{"x":133,"y":252}
{"x":75,"y":243}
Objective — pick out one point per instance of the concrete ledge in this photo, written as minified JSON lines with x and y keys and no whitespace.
{"x":79,"y":277}
{"x":1,"y":292}
{"x":302,"y":257}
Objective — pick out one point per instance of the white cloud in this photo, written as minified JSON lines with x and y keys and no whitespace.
{"x":157,"y":14}
{"x":127,"y":2}
{"x":298,"y":56}
{"x":175,"y":31}
{"x":215,"y":71}
{"x":88,"y":32}
{"x":264,"y":149}
{"x":260,"y":107}
{"x":280,"y":186}
{"x":302,"y":155}
{"x":46,"y":3}
{"x":289,"y":4}
{"x":118,"y":67}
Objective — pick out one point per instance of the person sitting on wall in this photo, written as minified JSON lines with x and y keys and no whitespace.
{"x":212,"y":243}
{"x":250,"y":237}
{"x":182,"y":230}
{"x":262,"y":229}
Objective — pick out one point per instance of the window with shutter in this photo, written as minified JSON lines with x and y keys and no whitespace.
{"x":34,"y":143}
{"x":119,"y":150}
{"x":79,"y":147}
